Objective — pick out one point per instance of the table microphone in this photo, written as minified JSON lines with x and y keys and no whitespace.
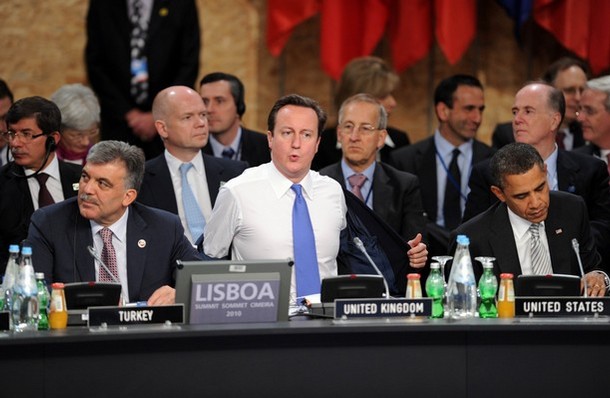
{"x":576,"y":248}
{"x":361,"y":247}
{"x":99,"y":260}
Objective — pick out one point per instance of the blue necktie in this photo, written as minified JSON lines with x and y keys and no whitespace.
{"x":228,"y":153}
{"x":304,"y":244}
{"x":194,"y":217}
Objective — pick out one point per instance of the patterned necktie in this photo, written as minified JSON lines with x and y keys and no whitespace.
{"x":44,"y":196}
{"x":109,"y":258}
{"x":452,"y":209}
{"x":139,"y":62}
{"x":304,"y":245}
{"x":356,"y":181}
{"x":228,"y":153}
{"x":541,"y":263}
{"x":194,"y":216}
{"x":559,"y":139}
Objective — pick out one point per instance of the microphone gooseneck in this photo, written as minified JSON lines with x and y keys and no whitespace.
{"x":361,"y":247}
{"x":576,"y":248}
{"x":99,"y":260}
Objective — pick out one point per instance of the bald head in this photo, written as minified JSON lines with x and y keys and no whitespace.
{"x":168,"y":98}
{"x":181,"y":121}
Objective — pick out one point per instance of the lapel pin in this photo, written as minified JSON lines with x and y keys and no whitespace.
{"x":163,"y":12}
{"x":141,"y":243}
{"x":558,"y":231}
{"x":75,"y":186}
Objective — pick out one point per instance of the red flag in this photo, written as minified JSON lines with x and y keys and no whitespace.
{"x":581,"y":26}
{"x":350,"y":29}
{"x":456,"y":25}
{"x":410,"y":32}
{"x":282,"y":17}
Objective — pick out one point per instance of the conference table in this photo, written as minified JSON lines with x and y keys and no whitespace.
{"x":313,"y":358}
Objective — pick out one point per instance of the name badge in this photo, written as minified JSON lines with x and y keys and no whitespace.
{"x":561,"y":306}
{"x":4,"y":320}
{"x":382,"y":308}
{"x":120,"y":316}
{"x":235,"y":301}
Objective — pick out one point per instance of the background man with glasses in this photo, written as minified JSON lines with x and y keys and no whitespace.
{"x":35,"y":178}
{"x":6,"y":100}
{"x":394,"y":195}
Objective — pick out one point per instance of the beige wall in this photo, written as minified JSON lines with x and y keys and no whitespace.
{"x":42,"y":45}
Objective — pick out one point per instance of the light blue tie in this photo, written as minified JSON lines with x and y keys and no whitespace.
{"x":303,"y":241}
{"x":194,"y":217}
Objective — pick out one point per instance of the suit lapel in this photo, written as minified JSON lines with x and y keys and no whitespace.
{"x":567,"y":172}
{"x":137,"y":248}
{"x":213,"y":175}
{"x":559,"y":243}
{"x":427,"y":172}
{"x":502,"y":242}
{"x":80,"y":237}
{"x":161,"y":181}
{"x":383,"y":192}
{"x":67,"y":184}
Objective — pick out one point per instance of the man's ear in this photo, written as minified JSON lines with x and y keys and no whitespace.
{"x":498,"y":192}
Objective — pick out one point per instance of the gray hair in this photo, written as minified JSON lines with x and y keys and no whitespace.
{"x":601,"y":84}
{"x":79,"y":107}
{"x":362,"y":97}
{"x":513,"y":159}
{"x":118,"y":151}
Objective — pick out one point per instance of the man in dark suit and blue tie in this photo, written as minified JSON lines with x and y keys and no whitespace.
{"x":144,"y":242}
{"x":443,"y":161}
{"x":181,"y":121}
{"x":526,"y":203}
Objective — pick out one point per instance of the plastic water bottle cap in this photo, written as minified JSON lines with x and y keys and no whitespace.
{"x":463,"y":240}
{"x":26,"y":250}
{"x":435,"y":266}
{"x":13,"y":249}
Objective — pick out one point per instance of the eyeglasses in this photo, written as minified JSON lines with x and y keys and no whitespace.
{"x":79,"y":134}
{"x":364,"y":129}
{"x":24,"y":136}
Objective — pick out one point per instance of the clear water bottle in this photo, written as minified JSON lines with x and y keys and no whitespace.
{"x":44,"y":301}
{"x":435,"y":289}
{"x":25,"y":295}
{"x":462,"y":287}
{"x":10,"y":276}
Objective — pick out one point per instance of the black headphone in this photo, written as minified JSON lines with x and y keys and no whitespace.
{"x":50,"y":144}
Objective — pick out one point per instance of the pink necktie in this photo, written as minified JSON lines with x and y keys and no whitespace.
{"x":108,"y":257}
{"x":356,"y":181}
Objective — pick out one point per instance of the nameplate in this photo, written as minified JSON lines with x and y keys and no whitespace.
{"x":235,"y":301}
{"x":121,"y":316}
{"x":561,"y":306}
{"x":5,"y":323}
{"x":382,"y":308}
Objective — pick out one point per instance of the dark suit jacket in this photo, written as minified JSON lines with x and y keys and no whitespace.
{"x":396,"y":198}
{"x":254,"y":148}
{"x":420,"y":159}
{"x":328,"y":153}
{"x":16,"y":205}
{"x":491,"y":234}
{"x":60,"y":235}
{"x":158,"y":191}
{"x":503,"y":134}
{"x":588,"y":149}
{"x":172,"y":49}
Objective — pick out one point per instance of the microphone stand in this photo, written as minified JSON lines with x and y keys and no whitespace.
{"x":97,"y":258}
{"x":361,"y":247}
